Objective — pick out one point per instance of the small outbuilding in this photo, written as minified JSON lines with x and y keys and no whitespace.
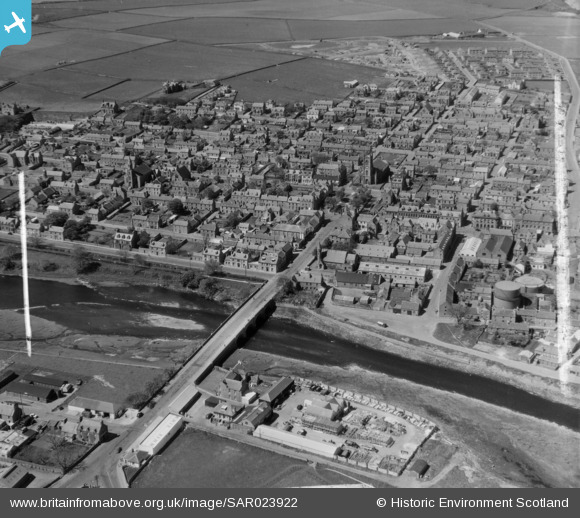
{"x":420,"y":467}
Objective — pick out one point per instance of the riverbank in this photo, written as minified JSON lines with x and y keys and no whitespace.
{"x":431,"y":354}
{"x":229,"y":292}
{"x":497,"y":447}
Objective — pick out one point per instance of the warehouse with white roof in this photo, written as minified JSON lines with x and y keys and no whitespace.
{"x":161,"y":434}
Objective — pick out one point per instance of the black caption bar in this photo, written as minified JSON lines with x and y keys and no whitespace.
{"x":291,"y":502}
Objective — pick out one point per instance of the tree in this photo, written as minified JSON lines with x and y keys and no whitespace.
{"x":136,"y":400}
{"x":49,"y":266}
{"x":147,"y":204}
{"x":8,"y":258}
{"x":63,"y":452}
{"x":190,"y":280}
{"x":361,"y":197}
{"x":232,"y":220}
{"x":212,"y":267}
{"x":209,"y":287}
{"x":82,"y":261}
{"x":77,"y":230}
{"x":143,"y":239}
{"x":172,"y":246}
{"x":349,"y":246}
{"x":55,"y":219}
{"x":211,"y":194}
{"x":331,"y":203}
{"x":176,"y":206}
{"x":176,"y":121}
{"x":461,"y":314}
{"x":286,"y":287}
{"x":327,"y":243}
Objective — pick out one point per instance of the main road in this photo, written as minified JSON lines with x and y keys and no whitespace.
{"x":103,"y":464}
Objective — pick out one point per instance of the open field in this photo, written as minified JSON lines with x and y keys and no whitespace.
{"x":343,"y":9}
{"x":116,"y":5}
{"x":135,"y":40}
{"x":183,"y":61}
{"x":69,"y":82}
{"x":304,"y":80}
{"x":558,"y":34}
{"x":46,"y":50}
{"x":48,"y":13}
{"x":199,"y":459}
{"x":127,"y":91}
{"x":328,"y":29}
{"x":113,"y":382}
{"x":48,"y":100}
{"x":218,"y":30}
{"x":109,"y":21}
{"x":297,"y":9}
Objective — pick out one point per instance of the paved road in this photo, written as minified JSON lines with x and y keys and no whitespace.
{"x":114,"y":253}
{"x":104,"y":462}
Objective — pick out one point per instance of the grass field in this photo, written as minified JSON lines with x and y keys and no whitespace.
{"x":218,"y":30}
{"x":183,"y":61}
{"x":353,"y":9}
{"x":304,"y":80}
{"x":327,"y":29}
{"x":48,"y":99}
{"x":198,"y":459}
{"x":48,"y":13}
{"x":70,"y":82}
{"x":109,"y":21}
{"x":148,"y":41}
{"x":560,"y":35}
{"x":116,"y":5}
{"x":127,"y":91}
{"x":46,"y":50}
{"x":110,"y":381}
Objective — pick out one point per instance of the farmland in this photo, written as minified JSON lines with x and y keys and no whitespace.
{"x":304,"y":80}
{"x":198,"y":459}
{"x":46,"y":50}
{"x":558,"y":34}
{"x":124,"y":50}
{"x":69,"y":82}
{"x":118,"y":381}
{"x":327,"y":29}
{"x":218,"y":30}
{"x":127,"y":91}
{"x":48,"y":99}
{"x":187,"y":62}
{"x":109,"y":21}
{"x":337,"y":9}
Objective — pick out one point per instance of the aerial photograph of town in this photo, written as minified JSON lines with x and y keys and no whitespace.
{"x":287,"y":244}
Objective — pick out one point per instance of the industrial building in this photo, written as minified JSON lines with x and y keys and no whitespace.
{"x":530,"y":284}
{"x":506,"y":295}
{"x":161,"y":434}
{"x":106,"y":409}
{"x":27,"y":392}
{"x":296,"y":441}
{"x":185,"y":400}
{"x":470,"y":248}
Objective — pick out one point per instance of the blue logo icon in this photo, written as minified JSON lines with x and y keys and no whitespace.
{"x":15,"y":22}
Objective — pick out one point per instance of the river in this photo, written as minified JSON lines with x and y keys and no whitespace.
{"x":157,"y":312}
